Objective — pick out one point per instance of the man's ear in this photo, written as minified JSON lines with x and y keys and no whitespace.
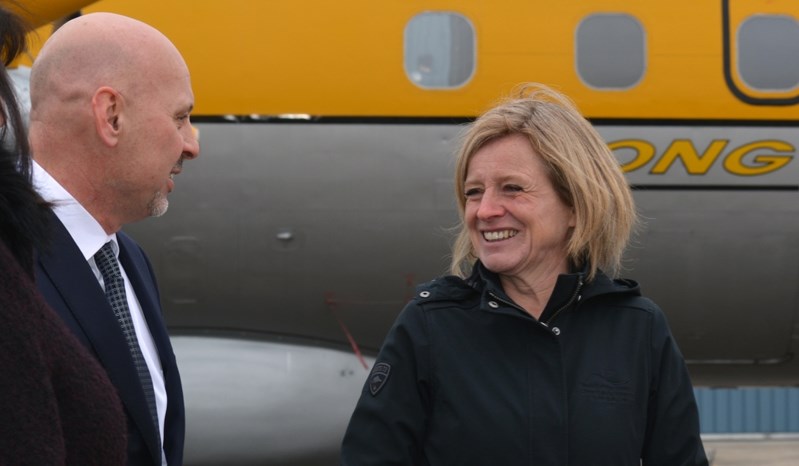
{"x":107,"y":104}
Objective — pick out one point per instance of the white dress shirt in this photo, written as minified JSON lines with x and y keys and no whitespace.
{"x":90,"y":237}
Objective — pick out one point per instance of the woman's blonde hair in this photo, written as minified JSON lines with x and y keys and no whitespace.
{"x":582,"y":168}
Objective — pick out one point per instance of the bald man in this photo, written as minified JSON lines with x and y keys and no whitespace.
{"x":109,"y":129}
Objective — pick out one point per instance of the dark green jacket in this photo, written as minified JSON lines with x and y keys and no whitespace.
{"x":465,"y":377}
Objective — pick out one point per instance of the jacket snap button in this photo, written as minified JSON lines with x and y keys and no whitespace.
{"x":556,"y":330}
{"x":493,"y":304}
{"x":424,"y":294}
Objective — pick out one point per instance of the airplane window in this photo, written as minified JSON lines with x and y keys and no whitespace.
{"x":439,"y":50}
{"x":610,"y":51}
{"x":768,"y":52}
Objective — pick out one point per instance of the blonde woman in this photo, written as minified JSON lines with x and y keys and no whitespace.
{"x":531,"y":353}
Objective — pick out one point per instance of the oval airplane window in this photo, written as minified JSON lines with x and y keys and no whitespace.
{"x":610,"y":51}
{"x":439,"y":50}
{"x":768,"y":52}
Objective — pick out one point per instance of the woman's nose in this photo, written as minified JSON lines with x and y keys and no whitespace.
{"x":490,"y":206}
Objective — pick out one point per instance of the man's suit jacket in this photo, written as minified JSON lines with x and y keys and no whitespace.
{"x":68,"y":284}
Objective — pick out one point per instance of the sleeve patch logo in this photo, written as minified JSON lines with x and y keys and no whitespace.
{"x":378,"y":377}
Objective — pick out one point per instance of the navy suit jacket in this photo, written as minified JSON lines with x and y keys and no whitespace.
{"x":68,"y":284}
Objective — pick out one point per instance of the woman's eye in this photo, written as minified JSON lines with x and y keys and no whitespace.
{"x":472,"y":192}
{"x":513,"y":188}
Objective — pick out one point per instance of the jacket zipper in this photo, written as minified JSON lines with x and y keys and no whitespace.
{"x":575,"y":297}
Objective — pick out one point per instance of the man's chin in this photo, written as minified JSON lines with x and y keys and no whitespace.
{"x":159,"y":205}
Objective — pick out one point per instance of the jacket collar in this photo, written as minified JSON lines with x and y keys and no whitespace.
{"x":487,"y":283}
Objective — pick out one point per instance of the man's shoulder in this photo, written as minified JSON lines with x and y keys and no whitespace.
{"x":128,"y":244}
{"x":123,"y":237}
{"x":131,"y":254}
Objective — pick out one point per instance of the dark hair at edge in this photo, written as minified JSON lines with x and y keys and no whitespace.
{"x":23,"y":214}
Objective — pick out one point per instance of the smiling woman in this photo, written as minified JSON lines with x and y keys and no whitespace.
{"x":519,"y":361}
{"x":518,"y":224}
{"x":565,"y":154}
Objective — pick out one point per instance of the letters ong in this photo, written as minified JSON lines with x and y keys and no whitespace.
{"x":750,"y":159}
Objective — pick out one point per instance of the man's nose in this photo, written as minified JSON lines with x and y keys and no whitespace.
{"x":191,"y":144}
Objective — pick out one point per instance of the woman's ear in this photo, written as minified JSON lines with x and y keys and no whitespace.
{"x":107,"y":105}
